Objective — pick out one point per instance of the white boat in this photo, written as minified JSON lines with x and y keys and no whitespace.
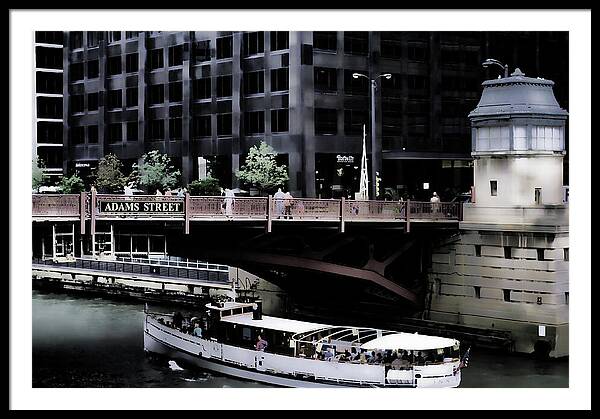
{"x":302,"y":354}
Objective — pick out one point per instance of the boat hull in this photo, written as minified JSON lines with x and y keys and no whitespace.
{"x":154,"y":345}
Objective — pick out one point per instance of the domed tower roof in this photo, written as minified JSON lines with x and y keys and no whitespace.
{"x":520,"y":96}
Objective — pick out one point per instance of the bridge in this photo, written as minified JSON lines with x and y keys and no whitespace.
{"x":373,"y":247}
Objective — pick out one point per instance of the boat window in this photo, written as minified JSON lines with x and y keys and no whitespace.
{"x":246,"y":333}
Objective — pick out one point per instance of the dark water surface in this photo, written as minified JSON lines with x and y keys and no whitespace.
{"x":95,"y":342}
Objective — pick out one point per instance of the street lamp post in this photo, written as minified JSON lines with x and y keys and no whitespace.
{"x":375,"y":152}
{"x":491,"y":61}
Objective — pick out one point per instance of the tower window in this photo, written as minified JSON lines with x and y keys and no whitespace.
{"x":114,"y":99}
{"x":132,"y":131}
{"x":131,"y":63}
{"x":224,"y":124}
{"x":325,"y":121}
{"x":155,"y":59}
{"x":131,"y":97}
{"x":279,"y":40}
{"x":540,"y":254}
{"x":279,"y":120}
{"x":92,"y":69}
{"x":506,"y":295}
{"x":478,"y":250}
{"x":114,"y":65}
{"x":507,"y":252}
{"x":254,"y":82}
{"x":538,"y":196}
{"x":201,"y":88}
{"x":279,"y":79}
{"x":254,"y":43}
{"x":325,"y":40}
{"x":224,"y":84}
{"x":225,"y":47}
{"x":493,"y":187}
{"x":477,"y":291}
{"x":176,"y":55}
{"x":566,"y":254}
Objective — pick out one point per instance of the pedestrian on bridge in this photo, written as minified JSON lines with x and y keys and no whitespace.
{"x":279,"y":197}
{"x":288,"y":201}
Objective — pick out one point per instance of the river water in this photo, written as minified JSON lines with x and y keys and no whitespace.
{"x":98,"y":342}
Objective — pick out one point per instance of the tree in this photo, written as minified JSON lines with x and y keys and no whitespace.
{"x":38,"y":177}
{"x":108,"y":177}
{"x":261,"y":170}
{"x":72,"y":184}
{"x":156,"y":172}
{"x":205,"y":187}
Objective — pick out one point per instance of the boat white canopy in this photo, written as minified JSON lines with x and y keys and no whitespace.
{"x":273,"y":323}
{"x":409,"y":341}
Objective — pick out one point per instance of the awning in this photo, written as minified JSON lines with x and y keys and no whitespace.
{"x":409,"y":342}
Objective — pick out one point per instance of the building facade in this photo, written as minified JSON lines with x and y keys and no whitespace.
{"x":48,"y":99}
{"x":213,"y":95}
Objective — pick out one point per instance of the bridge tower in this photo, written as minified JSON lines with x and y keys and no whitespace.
{"x":509,"y":269}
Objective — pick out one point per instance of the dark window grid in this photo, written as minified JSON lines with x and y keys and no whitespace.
{"x":254,"y":43}
{"x":76,"y":40}
{"x":325,"y":79}
{"x":113,"y":66}
{"x":201,"y":89}
{"x":352,"y":86}
{"x":76,"y":72}
{"x":224,"y":47}
{"x":254,"y":122}
{"x":114,"y":37}
{"x":115,"y":99}
{"x":132,"y":131}
{"x":92,"y":134}
{"x":279,"y":120}
{"x":77,"y":105}
{"x":115,"y":133}
{"x":93,"y":69}
{"x":325,"y":121}
{"x":254,"y":82}
{"x":280,"y":80}
{"x":391,"y":49}
{"x":280,"y":41}
{"x":326,"y":41}
{"x":176,"y":56}
{"x":224,"y":86}
{"x":77,"y":135}
{"x":201,"y":51}
{"x":131,"y":63}
{"x":156,"y":59}
{"x":156,"y":130}
{"x":176,"y":91}
{"x":417,"y":52}
{"x":201,"y":126}
{"x":354,"y":121}
{"x":156,"y":94}
{"x":356,"y":43}
{"x":131,"y":97}
{"x":175,"y":129}
{"x":224,"y":124}
{"x":93,"y":39}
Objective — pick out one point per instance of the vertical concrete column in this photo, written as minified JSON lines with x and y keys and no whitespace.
{"x":66,"y":101}
{"x":53,"y":241}
{"x":377,"y":112}
{"x":237,"y":109}
{"x":142,"y":52}
{"x":269,"y":213}
{"x":102,"y":97}
{"x":435,"y":94}
{"x":186,"y":157}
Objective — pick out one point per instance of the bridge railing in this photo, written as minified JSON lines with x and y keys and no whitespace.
{"x":66,"y":205}
{"x":106,"y":206}
{"x":217,"y":206}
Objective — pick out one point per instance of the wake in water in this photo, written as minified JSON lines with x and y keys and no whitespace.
{"x":174,"y":367}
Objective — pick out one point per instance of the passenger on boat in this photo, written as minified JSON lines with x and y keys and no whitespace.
{"x":261,"y":344}
{"x":397,"y":364}
{"x":419,"y":360}
{"x":177,"y":320}
{"x":328,"y":354}
{"x":197,"y":331}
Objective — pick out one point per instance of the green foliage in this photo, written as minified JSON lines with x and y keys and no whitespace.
{"x":108,"y":177}
{"x":72,"y":184}
{"x":261,"y":170}
{"x":156,"y":172}
{"x":205,"y":187}
{"x":38,"y":178}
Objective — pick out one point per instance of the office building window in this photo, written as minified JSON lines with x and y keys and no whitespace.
{"x":325,"y":40}
{"x":224,"y":84}
{"x":92,"y":132}
{"x":114,"y":37}
{"x":113,"y":65}
{"x":176,"y":91}
{"x":201,"y":88}
{"x":131,"y":35}
{"x":225,"y":47}
{"x":224,"y":124}
{"x":48,"y":82}
{"x":115,"y":133}
{"x":92,"y":69}
{"x":537,"y":196}
{"x":391,"y":87}
{"x":254,"y":122}
{"x":175,"y":129}
{"x":156,"y":59}
{"x":77,"y":135}
{"x":450,"y":56}
{"x":201,"y":126}
{"x":49,"y":132}
{"x":49,"y":37}
{"x":131,"y":97}
{"x":279,"y":80}
{"x":131,"y":63}
{"x":358,"y":86}
{"x":356,"y":43}
{"x":416,"y":82}
{"x":325,"y":79}
{"x":48,"y":58}
{"x":325,"y":121}
{"x":254,"y":82}
{"x":132,"y":131}
{"x":157,"y":94}
{"x":93,"y":39}
{"x":254,"y":43}
{"x":49,"y":107}
{"x":76,"y":39}
{"x":175,"y":55}
{"x":156,"y":130}
{"x":114,"y":99}
{"x":417,"y":52}
{"x":76,"y":103}
{"x":280,"y":40}
{"x":354,"y":121}
{"x":391,"y":46}
{"x":279,"y":120}
{"x":201,"y":51}
{"x":392,"y":123}
{"x":76,"y":72}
